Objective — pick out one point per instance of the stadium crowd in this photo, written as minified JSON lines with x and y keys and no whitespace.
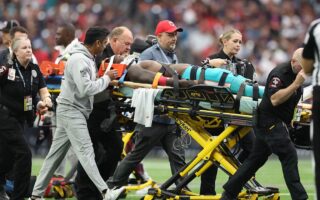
{"x":271,"y":28}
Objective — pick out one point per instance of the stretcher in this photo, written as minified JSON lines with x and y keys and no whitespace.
{"x":185,"y":106}
{"x":198,"y":110}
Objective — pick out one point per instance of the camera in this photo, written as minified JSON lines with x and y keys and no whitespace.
{"x":151,"y":40}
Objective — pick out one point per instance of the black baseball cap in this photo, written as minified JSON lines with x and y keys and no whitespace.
{"x":8,"y":25}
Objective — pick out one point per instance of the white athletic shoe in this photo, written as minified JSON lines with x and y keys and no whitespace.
{"x":36,"y":198}
{"x":143,"y":191}
{"x":113,"y":194}
{"x":3,"y":195}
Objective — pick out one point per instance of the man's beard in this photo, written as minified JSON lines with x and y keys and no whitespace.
{"x":172,"y":47}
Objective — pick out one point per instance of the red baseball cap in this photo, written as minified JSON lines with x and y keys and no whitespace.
{"x":166,"y":26}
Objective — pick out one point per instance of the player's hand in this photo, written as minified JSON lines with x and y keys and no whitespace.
{"x":113,"y":74}
{"x":217,"y":62}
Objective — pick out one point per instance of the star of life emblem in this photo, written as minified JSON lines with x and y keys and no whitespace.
{"x":275,"y":82}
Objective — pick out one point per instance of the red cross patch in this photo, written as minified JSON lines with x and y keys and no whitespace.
{"x":275,"y":82}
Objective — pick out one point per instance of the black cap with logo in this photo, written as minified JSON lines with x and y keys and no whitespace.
{"x":7,"y":25}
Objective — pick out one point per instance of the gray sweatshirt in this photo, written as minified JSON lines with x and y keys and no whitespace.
{"x":79,"y":84}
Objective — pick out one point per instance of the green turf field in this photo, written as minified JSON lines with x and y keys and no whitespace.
{"x":269,"y":175}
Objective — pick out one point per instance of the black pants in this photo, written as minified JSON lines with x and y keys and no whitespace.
{"x":268,"y":141}
{"x":316,"y":135}
{"x":14,"y":147}
{"x":145,"y":140}
{"x":208,"y":178}
{"x":107,"y":149}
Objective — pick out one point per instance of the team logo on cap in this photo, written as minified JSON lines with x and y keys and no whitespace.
{"x":171,"y":23}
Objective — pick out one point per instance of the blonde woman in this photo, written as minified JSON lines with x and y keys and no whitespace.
{"x":231,"y":42}
{"x":20,"y":81}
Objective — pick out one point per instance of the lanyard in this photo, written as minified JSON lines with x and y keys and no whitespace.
{"x":23,"y":81}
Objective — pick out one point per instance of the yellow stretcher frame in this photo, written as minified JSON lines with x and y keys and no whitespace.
{"x":214,"y":151}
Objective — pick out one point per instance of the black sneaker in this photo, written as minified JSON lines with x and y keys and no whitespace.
{"x":226,"y":196}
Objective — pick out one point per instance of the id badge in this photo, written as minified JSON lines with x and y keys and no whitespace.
{"x":27,"y":103}
{"x":11,"y":74}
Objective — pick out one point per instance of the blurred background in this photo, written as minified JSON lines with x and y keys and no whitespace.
{"x":271,"y":29}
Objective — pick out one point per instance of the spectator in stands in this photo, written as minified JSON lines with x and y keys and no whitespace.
{"x":8,"y":25}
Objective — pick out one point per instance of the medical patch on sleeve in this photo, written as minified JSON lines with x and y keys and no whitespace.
{"x":275,"y":82}
{"x":83,"y":73}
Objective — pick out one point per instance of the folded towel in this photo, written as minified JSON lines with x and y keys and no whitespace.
{"x":143,"y":102}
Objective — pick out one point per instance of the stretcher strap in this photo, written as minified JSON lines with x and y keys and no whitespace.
{"x":122,"y":78}
{"x":202,"y":75}
{"x":238,"y":97}
{"x":162,"y":70}
{"x":110,"y":63}
{"x":156,"y":80}
{"x":175,"y":77}
{"x":102,"y":66}
{"x":255,"y":95}
{"x":193,"y":73}
{"x":223,"y":78}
